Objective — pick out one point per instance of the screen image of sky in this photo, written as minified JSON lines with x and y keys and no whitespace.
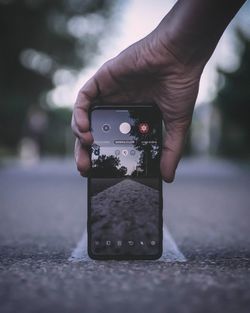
{"x":110,"y":140}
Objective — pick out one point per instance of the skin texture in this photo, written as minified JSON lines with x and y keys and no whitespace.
{"x":163,"y":68}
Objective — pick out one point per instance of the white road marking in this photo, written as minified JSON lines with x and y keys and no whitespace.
{"x":171,"y":252}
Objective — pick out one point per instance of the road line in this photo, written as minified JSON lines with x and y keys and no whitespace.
{"x":171,"y":252}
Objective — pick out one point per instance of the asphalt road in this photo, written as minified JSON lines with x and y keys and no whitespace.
{"x":43,"y":215}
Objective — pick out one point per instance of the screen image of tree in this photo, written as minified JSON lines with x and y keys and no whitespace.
{"x":125,"y":183}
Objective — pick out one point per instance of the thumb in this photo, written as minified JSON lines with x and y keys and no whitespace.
{"x":173,"y":144}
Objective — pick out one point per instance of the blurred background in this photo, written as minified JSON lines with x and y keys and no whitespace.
{"x":48,"y":50}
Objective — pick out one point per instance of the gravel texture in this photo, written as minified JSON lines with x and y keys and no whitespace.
{"x":43,"y":216}
{"x":117,"y":216}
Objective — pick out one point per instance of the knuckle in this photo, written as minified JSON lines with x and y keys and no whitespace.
{"x":78,"y":125}
{"x":81,"y":122}
{"x":86,"y":138}
{"x":82,"y":165}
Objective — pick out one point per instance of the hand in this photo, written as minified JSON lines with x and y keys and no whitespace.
{"x":163,"y":68}
{"x":146,"y":72}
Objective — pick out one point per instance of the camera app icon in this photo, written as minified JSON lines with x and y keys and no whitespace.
{"x":125,"y":152}
{"x":96,"y":149}
{"x":108,"y":243}
{"x":106,"y":128}
{"x":143,"y":128}
{"x":119,"y":243}
{"x":125,"y":128}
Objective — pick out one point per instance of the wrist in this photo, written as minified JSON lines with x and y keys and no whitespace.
{"x":192,"y":29}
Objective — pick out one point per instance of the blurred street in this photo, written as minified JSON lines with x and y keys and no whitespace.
{"x":43,"y":216}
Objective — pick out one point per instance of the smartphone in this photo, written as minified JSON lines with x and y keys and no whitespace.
{"x":124,"y":184}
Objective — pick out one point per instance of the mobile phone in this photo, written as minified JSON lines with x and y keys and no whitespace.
{"x":124,"y":184}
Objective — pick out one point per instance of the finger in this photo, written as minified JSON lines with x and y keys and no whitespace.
{"x":82,"y":158}
{"x":80,"y":118}
{"x":85,"y":138}
{"x":114,"y":85}
{"x":173,"y":145}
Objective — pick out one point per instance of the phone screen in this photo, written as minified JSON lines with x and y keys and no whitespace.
{"x":125,"y":187}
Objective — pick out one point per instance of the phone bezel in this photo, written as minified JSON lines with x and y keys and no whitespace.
{"x":125,"y":256}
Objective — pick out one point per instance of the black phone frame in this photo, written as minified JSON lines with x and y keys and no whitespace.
{"x":124,"y":257}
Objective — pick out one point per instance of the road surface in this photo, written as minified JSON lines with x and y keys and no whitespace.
{"x":43,"y":217}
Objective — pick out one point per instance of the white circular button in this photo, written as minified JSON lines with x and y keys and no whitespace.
{"x":124,"y":128}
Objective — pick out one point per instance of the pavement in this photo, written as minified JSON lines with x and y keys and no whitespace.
{"x":43,"y":217}
{"x":134,"y":218}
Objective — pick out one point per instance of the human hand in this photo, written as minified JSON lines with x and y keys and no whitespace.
{"x":163,"y":68}
{"x":146,"y":72}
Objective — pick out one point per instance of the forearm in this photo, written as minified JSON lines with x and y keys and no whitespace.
{"x":193,"y":28}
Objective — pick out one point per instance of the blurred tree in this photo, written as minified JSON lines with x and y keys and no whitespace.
{"x":123,"y":171}
{"x":38,"y":37}
{"x":150,"y":157}
{"x":233,"y":102}
{"x":107,"y":166}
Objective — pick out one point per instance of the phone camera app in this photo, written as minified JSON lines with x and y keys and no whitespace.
{"x":143,"y":128}
{"x":96,"y":149}
{"x":106,"y":128}
{"x":125,"y":152}
{"x":125,"y":128}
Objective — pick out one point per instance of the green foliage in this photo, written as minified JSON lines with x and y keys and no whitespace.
{"x":233,"y":102}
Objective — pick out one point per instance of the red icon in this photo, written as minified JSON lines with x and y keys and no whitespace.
{"x":143,"y":128}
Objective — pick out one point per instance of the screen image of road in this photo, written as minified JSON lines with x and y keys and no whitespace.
{"x":125,"y":185}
